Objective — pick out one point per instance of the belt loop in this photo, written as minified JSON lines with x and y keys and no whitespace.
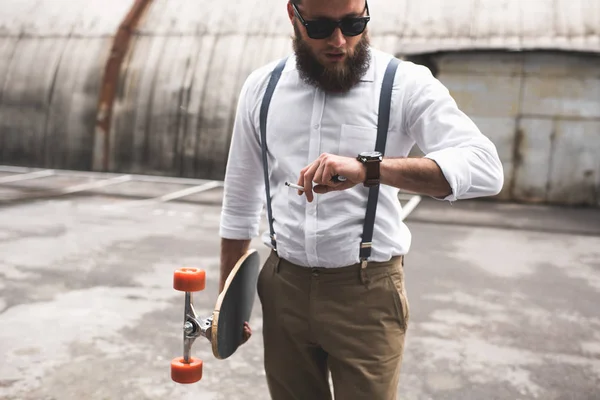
{"x":364,"y":276}
{"x":277,"y":262}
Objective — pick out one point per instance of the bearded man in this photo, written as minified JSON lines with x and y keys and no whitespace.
{"x":332,"y":290}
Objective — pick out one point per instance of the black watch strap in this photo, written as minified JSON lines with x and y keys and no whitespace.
{"x":372,"y":173}
{"x":372,"y":167}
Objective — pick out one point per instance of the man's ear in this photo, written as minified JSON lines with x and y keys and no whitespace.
{"x":290,"y":10}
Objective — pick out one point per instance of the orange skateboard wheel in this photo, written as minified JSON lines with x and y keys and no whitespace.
{"x":189,"y":280}
{"x":186,"y":373}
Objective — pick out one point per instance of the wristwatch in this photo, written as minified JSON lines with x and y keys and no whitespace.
{"x":371,"y":160}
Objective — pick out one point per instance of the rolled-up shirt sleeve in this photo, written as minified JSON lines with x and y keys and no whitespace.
{"x":243,"y":197}
{"x":445,"y":134}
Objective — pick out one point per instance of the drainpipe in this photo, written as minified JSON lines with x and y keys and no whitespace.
{"x":110,"y":82}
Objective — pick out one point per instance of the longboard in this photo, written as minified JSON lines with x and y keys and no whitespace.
{"x":225,"y":327}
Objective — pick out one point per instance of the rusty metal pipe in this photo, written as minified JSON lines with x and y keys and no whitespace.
{"x":110,"y":82}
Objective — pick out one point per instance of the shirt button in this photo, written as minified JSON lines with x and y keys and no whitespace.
{"x":315,"y":272}
{"x":317,"y":126}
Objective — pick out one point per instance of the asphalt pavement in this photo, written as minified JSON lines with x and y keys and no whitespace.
{"x":504,"y":298}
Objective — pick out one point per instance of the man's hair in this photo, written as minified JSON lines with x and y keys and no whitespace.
{"x":296,"y":2}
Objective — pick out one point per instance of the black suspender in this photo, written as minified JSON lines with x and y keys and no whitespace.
{"x":385,"y":103}
{"x":264,"y":112}
{"x":382,"y":130}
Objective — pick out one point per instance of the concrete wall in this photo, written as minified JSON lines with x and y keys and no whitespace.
{"x":542,"y":110}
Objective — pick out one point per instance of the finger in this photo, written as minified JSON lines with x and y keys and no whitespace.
{"x":328,"y":174}
{"x":308,"y":180}
{"x":301,"y":182}
{"x":320,"y":176}
{"x":322,"y":189}
{"x":247,"y":333}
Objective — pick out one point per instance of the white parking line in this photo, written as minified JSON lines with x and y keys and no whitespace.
{"x":72,"y":189}
{"x":189,"y":191}
{"x":26,"y":176}
{"x":94,"y":185}
{"x":18,"y":170}
{"x":108,"y":175}
{"x":410,"y":206}
{"x":168,"y":197}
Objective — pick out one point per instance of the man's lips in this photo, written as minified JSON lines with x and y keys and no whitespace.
{"x":335,"y":56}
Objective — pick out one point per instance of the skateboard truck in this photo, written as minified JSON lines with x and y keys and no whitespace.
{"x":194,"y":327}
{"x":187,"y":369}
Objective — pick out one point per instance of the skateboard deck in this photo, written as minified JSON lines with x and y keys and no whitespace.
{"x":234,"y":306}
{"x":224,"y":328}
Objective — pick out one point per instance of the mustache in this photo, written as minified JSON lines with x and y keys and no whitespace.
{"x":334,"y":79}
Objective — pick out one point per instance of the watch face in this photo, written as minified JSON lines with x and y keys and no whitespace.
{"x":370,"y":154}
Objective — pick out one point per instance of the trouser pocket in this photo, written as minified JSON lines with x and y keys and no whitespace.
{"x":265,"y":275}
{"x":396,"y":281}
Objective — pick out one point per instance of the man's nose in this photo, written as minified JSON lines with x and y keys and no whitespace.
{"x":337,"y":38}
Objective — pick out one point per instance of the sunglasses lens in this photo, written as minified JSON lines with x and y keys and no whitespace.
{"x":324,"y":29}
{"x":320,"y":29}
{"x":353,"y":26}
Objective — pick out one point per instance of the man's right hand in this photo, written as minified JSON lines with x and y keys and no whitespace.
{"x":247,"y":333}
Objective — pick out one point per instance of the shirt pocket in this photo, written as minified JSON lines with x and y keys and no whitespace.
{"x":356,"y":139}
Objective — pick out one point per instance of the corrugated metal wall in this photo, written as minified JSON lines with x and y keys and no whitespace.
{"x":542,"y":110}
{"x":52,"y":56}
{"x":181,"y":81}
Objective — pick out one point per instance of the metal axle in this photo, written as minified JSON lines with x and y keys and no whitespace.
{"x":193,"y":327}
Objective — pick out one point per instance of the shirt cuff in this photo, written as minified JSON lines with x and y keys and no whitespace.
{"x":239,"y":228}
{"x":456,"y":170}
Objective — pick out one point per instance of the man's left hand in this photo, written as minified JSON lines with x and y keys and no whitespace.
{"x":322,"y":171}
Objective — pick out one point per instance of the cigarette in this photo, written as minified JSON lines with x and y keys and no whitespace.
{"x":294,"y":186}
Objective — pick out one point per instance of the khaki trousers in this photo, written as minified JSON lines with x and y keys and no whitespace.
{"x":318,"y":321}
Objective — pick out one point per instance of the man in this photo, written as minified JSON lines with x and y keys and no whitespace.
{"x":323,"y":309}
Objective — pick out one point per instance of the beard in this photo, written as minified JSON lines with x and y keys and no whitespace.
{"x":336,"y":78}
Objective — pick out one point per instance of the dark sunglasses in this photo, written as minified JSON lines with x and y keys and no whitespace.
{"x":324,"y":28}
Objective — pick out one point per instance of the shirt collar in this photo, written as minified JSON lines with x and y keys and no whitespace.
{"x":370,"y":74}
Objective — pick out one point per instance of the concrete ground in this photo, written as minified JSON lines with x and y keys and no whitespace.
{"x":504,"y":298}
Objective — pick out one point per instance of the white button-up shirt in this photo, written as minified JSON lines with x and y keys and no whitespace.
{"x":304,"y":122}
